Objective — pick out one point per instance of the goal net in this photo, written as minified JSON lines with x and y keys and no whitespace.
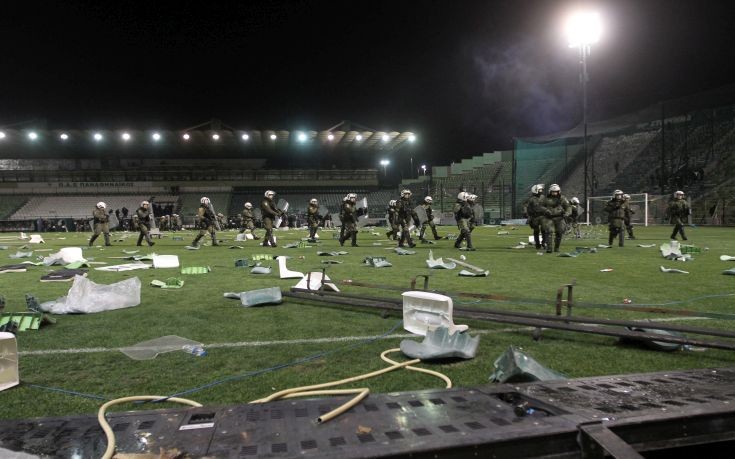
{"x":649,"y":209}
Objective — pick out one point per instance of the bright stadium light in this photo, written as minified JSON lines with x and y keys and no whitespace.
{"x":2,"y":135}
{"x":330,"y":137}
{"x":64,"y":136}
{"x":245,"y":137}
{"x":156,"y":136}
{"x":423,"y":168}
{"x":215,"y":137}
{"x":32,"y":135}
{"x":412,"y":138}
{"x":273,"y":137}
{"x":98,"y":137}
{"x":358,"y":137}
{"x":384,"y":163}
{"x":301,"y":136}
{"x":582,"y":30}
{"x":125,"y":136}
{"x":386,"y":138}
{"x":186,"y":136}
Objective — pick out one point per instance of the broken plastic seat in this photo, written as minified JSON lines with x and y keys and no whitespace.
{"x":258,"y":269}
{"x":424,"y":311}
{"x":727,"y":258}
{"x":438,"y":263}
{"x":270,"y":295}
{"x":63,"y":275}
{"x":316,"y":280}
{"x":165,"y":261}
{"x":36,"y":239}
{"x":13,"y":268}
{"x":440,"y":344}
{"x":514,"y":366}
{"x":284,"y":272}
{"x":146,"y":350}
{"x":243,"y":237}
{"x":9,"y":375}
{"x":170,"y":283}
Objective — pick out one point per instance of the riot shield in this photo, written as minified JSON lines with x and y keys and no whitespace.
{"x":479,"y":214}
{"x":283,"y":206}
{"x":216,"y":220}
{"x":421,"y":213}
{"x":152,"y":214}
{"x":114,"y":222}
{"x":336,"y":220}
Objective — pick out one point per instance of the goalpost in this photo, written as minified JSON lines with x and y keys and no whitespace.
{"x":648,"y":209}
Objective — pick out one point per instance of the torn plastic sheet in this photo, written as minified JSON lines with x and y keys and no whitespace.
{"x":514,"y":366}
{"x":170,"y":283}
{"x":466,"y":273}
{"x":438,"y":263}
{"x":402,"y":251}
{"x":440,"y":344}
{"x":673,"y":270}
{"x":655,"y":345}
{"x":86,"y":297}
{"x":270,"y":295}
{"x":21,"y":255}
{"x":64,"y":256}
{"x":146,"y":350}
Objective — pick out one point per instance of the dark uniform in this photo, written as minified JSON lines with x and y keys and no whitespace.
{"x":628,"y":214}
{"x":429,"y":222}
{"x":463,"y":213}
{"x":101,"y":225}
{"x":678,"y":212}
{"x":269,"y":212}
{"x":534,"y":211}
{"x":206,"y":224}
{"x":349,"y":221}
{"x":405,"y":215}
{"x":248,"y":221}
{"x":143,"y":215}
{"x":556,"y":211}
{"x":393,"y":220}
{"x":574,"y":219}
{"x":312,"y":219}
{"x":615,"y":215}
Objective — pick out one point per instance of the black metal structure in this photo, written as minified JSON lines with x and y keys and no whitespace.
{"x":624,"y":416}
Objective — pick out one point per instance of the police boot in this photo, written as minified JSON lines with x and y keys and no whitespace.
{"x":91,"y":240}
{"x":630,"y":233}
{"x":411,"y":244}
{"x":214,"y":239}
{"x":196,"y":241}
{"x":436,"y":236}
{"x":469,"y":243}
{"x":107,"y":240}
{"x":547,"y":242}
{"x":149,"y":240}
{"x":621,"y":239}
{"x":610,"y":239}
{"x":458,"y":242}
{"x":536,"y":241}
{"x":557,"y":243}
{"x":421,"y":235}
{"x":354,"y":239}
{"x":683,"y":236}
{"x":341,"y":241}
{"x":140,"y":239}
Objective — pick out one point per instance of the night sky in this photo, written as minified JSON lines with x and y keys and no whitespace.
{"x":466,"y":76}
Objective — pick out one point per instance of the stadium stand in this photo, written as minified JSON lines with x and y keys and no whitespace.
{"x":9,"y":204}
{"x":79,"y":206}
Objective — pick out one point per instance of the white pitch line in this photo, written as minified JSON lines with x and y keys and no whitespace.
{"x":334,"y":339}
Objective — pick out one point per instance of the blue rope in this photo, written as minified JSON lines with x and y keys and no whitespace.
{"x":69,"y":392}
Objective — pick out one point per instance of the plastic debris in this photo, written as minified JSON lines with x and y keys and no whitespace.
{"x":124,"y":267}
{"x":146,"y":350}
{"x":332,"y":262}
{"x":20,"y":268}
{"x":192,"y":247}
{"x":36,"y":239}
{"x":655,"y":345}
{"x":727,"y":258}
{"x":332,"y":254}
{"x":606,"y":270}
{"x":673,"y":270}
{"x":262,"y":256}
{"x":730,"y":272}
{"x":377,"y":262}
{"x":646,"y":246}
{"x":423,"y":311}
{"x":316,"y":280}
{"x":603,"y":246}
{"x":165,"y":261}
{"x":440,"y":344}
{"x":466,"y":273}
{"x":196,"y":351}
{"x":402,"y":251}
{"x":569,"y":254}
{"x":236,"y":247}
{"x":195,"y":270}
{"x":86,"y":297}
{"x":284,"y":272}
{"x":514,"y":366}
{"x":9,"y":375}
{"x":21,"y":255}
{"x":250,"y":298}
{"x":63,"y":275}
{"x":170,"y":283}
{"x":438,"y":263}
{"x":130,"y":252}
{"x":258,"y":269}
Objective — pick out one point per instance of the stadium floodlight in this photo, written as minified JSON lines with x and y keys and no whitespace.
{"x":423,"y":168}
{"x":156,"y":136}
{"x":301,"y":137}
{"x":583,"y":29}
{"x":64,"y":136}
{"x":245,"y":137}
{"x":384,"y":163}
{"x":330,"y":137}
{"x":386,"y":138}
{"x":186,"y":136}
{"x":273,"y":137}
{"x":125,"y":136}
{"x":215,"y":137}
{"x":2,"y":135}
{"x":32,"y":135}
{"x":411,"y":138}
{"x":98,"y":137}
{"x":358,"y":137}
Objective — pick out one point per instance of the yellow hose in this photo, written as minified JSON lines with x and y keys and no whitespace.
{"x":422,"y":370}
{"x":106,"y":426}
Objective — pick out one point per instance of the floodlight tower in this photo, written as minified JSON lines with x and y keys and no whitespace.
{"x":583,"y":30}
{"x":384,"y":163}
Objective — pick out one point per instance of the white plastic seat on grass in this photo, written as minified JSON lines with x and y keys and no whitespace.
{"x":36,"y":239}
{"x":423,"y":311}
{"x":316,"y":280}
{"x":165,"y":261}
{"x":284,"y":272}
{"x":9,"y":375}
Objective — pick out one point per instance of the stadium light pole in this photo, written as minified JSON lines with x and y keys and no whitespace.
{"x":384,"y":163}
{"x":583,"y":30}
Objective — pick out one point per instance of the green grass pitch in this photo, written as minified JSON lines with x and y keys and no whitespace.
{"x":248,"y":339}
